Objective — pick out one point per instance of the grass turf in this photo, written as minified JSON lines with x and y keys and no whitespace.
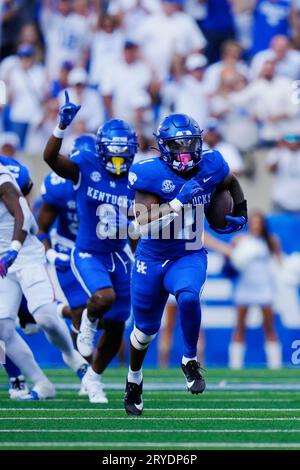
{"x":265,"y":414}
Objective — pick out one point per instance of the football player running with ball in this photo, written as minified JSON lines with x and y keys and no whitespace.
{"x":172,"y":193}
{"x":100,"y":260}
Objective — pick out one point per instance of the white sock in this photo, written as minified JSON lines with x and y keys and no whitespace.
{"x":236,"y":355}
{"x":185,"y":359}
{"x":92,"y":375}
{"x":135,"y":376}
{"x":273,"y":353}
{"x":18,"y":351}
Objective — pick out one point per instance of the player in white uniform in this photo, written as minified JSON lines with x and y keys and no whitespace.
{"x":23,"y":271}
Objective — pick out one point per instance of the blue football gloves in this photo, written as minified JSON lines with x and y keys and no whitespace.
{"x":185,"y":195}
{"x":67,"y":112}
{"x":6,"y":261}
{"x":235,"y":224}
{"x":237,"y":221}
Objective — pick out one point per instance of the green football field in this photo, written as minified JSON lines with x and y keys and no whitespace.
{"x":250,"y":409}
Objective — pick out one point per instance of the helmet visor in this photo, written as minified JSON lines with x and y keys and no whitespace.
{"x":183,"y":145}
{"x":115,"y":149}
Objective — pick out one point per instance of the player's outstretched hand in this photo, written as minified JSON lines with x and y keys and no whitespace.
{"x":67,"y":112}
{"x":234,"y":224}
{"x":60,"y":260}
{"x":6,"y":261}
{"x":188,"y":191}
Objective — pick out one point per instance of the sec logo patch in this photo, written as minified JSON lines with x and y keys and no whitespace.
{"x":96,"y":176}
{"x":167,"y":186}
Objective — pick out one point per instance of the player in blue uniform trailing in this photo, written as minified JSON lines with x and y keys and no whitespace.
{"x":172,"y":193}
{"x":58,"y":227}
{"x":99,"y":260}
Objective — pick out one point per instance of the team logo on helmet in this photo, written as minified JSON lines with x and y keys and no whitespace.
{"x":132,"y":177}
{"x":167,"y":186}
{"x":96,"y":176}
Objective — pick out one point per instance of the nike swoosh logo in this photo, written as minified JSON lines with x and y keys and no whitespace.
{"x":190,"y":384}
{"x":206,"y":179}
{"x":139,"y":406}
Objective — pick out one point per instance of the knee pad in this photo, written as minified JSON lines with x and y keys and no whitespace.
{"x":140,"y":340}
{"x":7,"y":328}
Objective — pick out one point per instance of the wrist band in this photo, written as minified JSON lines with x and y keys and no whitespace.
{"x":16,"y":245}
{"x":59,"y":133}
{"x":176,"y":205}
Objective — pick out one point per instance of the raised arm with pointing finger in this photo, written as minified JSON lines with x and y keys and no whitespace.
{"x":63,"y":166}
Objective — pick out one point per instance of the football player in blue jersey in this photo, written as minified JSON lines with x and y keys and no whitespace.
{"x":100,"y":260}
{"x":58,"y":227}
{"x":172,"y":192}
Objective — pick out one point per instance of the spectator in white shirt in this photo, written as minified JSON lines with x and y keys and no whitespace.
{"x":132,"y":12}
{"x":213,"y":139}
{"x":67,"y":35}
{"x":284,"y":162}
{"x":269,"y":99}
{"x":106,"y":48}
{"x":287,"y":60}
{"x":125,"y":83}
{"x":189,"y":95}
{"x":231,"y":58}
{"x":90,"y":100}
{"x":27,"y":86}
{"x":168,"y":34}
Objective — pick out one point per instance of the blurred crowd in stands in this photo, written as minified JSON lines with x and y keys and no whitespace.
{"x":234,"y":65}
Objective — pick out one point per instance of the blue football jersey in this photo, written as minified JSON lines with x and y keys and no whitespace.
{"x":103,"y":201}
{"x":59,"y":192}
{"x":156,"y":177}
{"x":20,"y":172}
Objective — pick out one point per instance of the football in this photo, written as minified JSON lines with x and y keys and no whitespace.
{"x":221,"y":204}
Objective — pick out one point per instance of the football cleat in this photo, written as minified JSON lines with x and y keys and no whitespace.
{"x":41,"y":391}
{"x":17,"y":387}
{"x":86,"y":335}
{"x":83,"y":391}
{"x":94,"y":390}
{"x":194,"y":380}
{"x":133,"y":401}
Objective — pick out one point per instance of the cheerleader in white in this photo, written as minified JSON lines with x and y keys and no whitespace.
{"x":251,"y":255}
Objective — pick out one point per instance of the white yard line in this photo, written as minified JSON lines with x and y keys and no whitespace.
{"x":191,"y":445}
{"x":133,"y":431}
{"x":189,"y":400}
{"x":64,"y":410}
{"x":110,"y":418}
{"x":180,"y":386}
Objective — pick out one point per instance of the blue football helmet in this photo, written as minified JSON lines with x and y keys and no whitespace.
{"x":116,"y":145}
{"x":85,"y":142}
{"x":179,"y":139}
